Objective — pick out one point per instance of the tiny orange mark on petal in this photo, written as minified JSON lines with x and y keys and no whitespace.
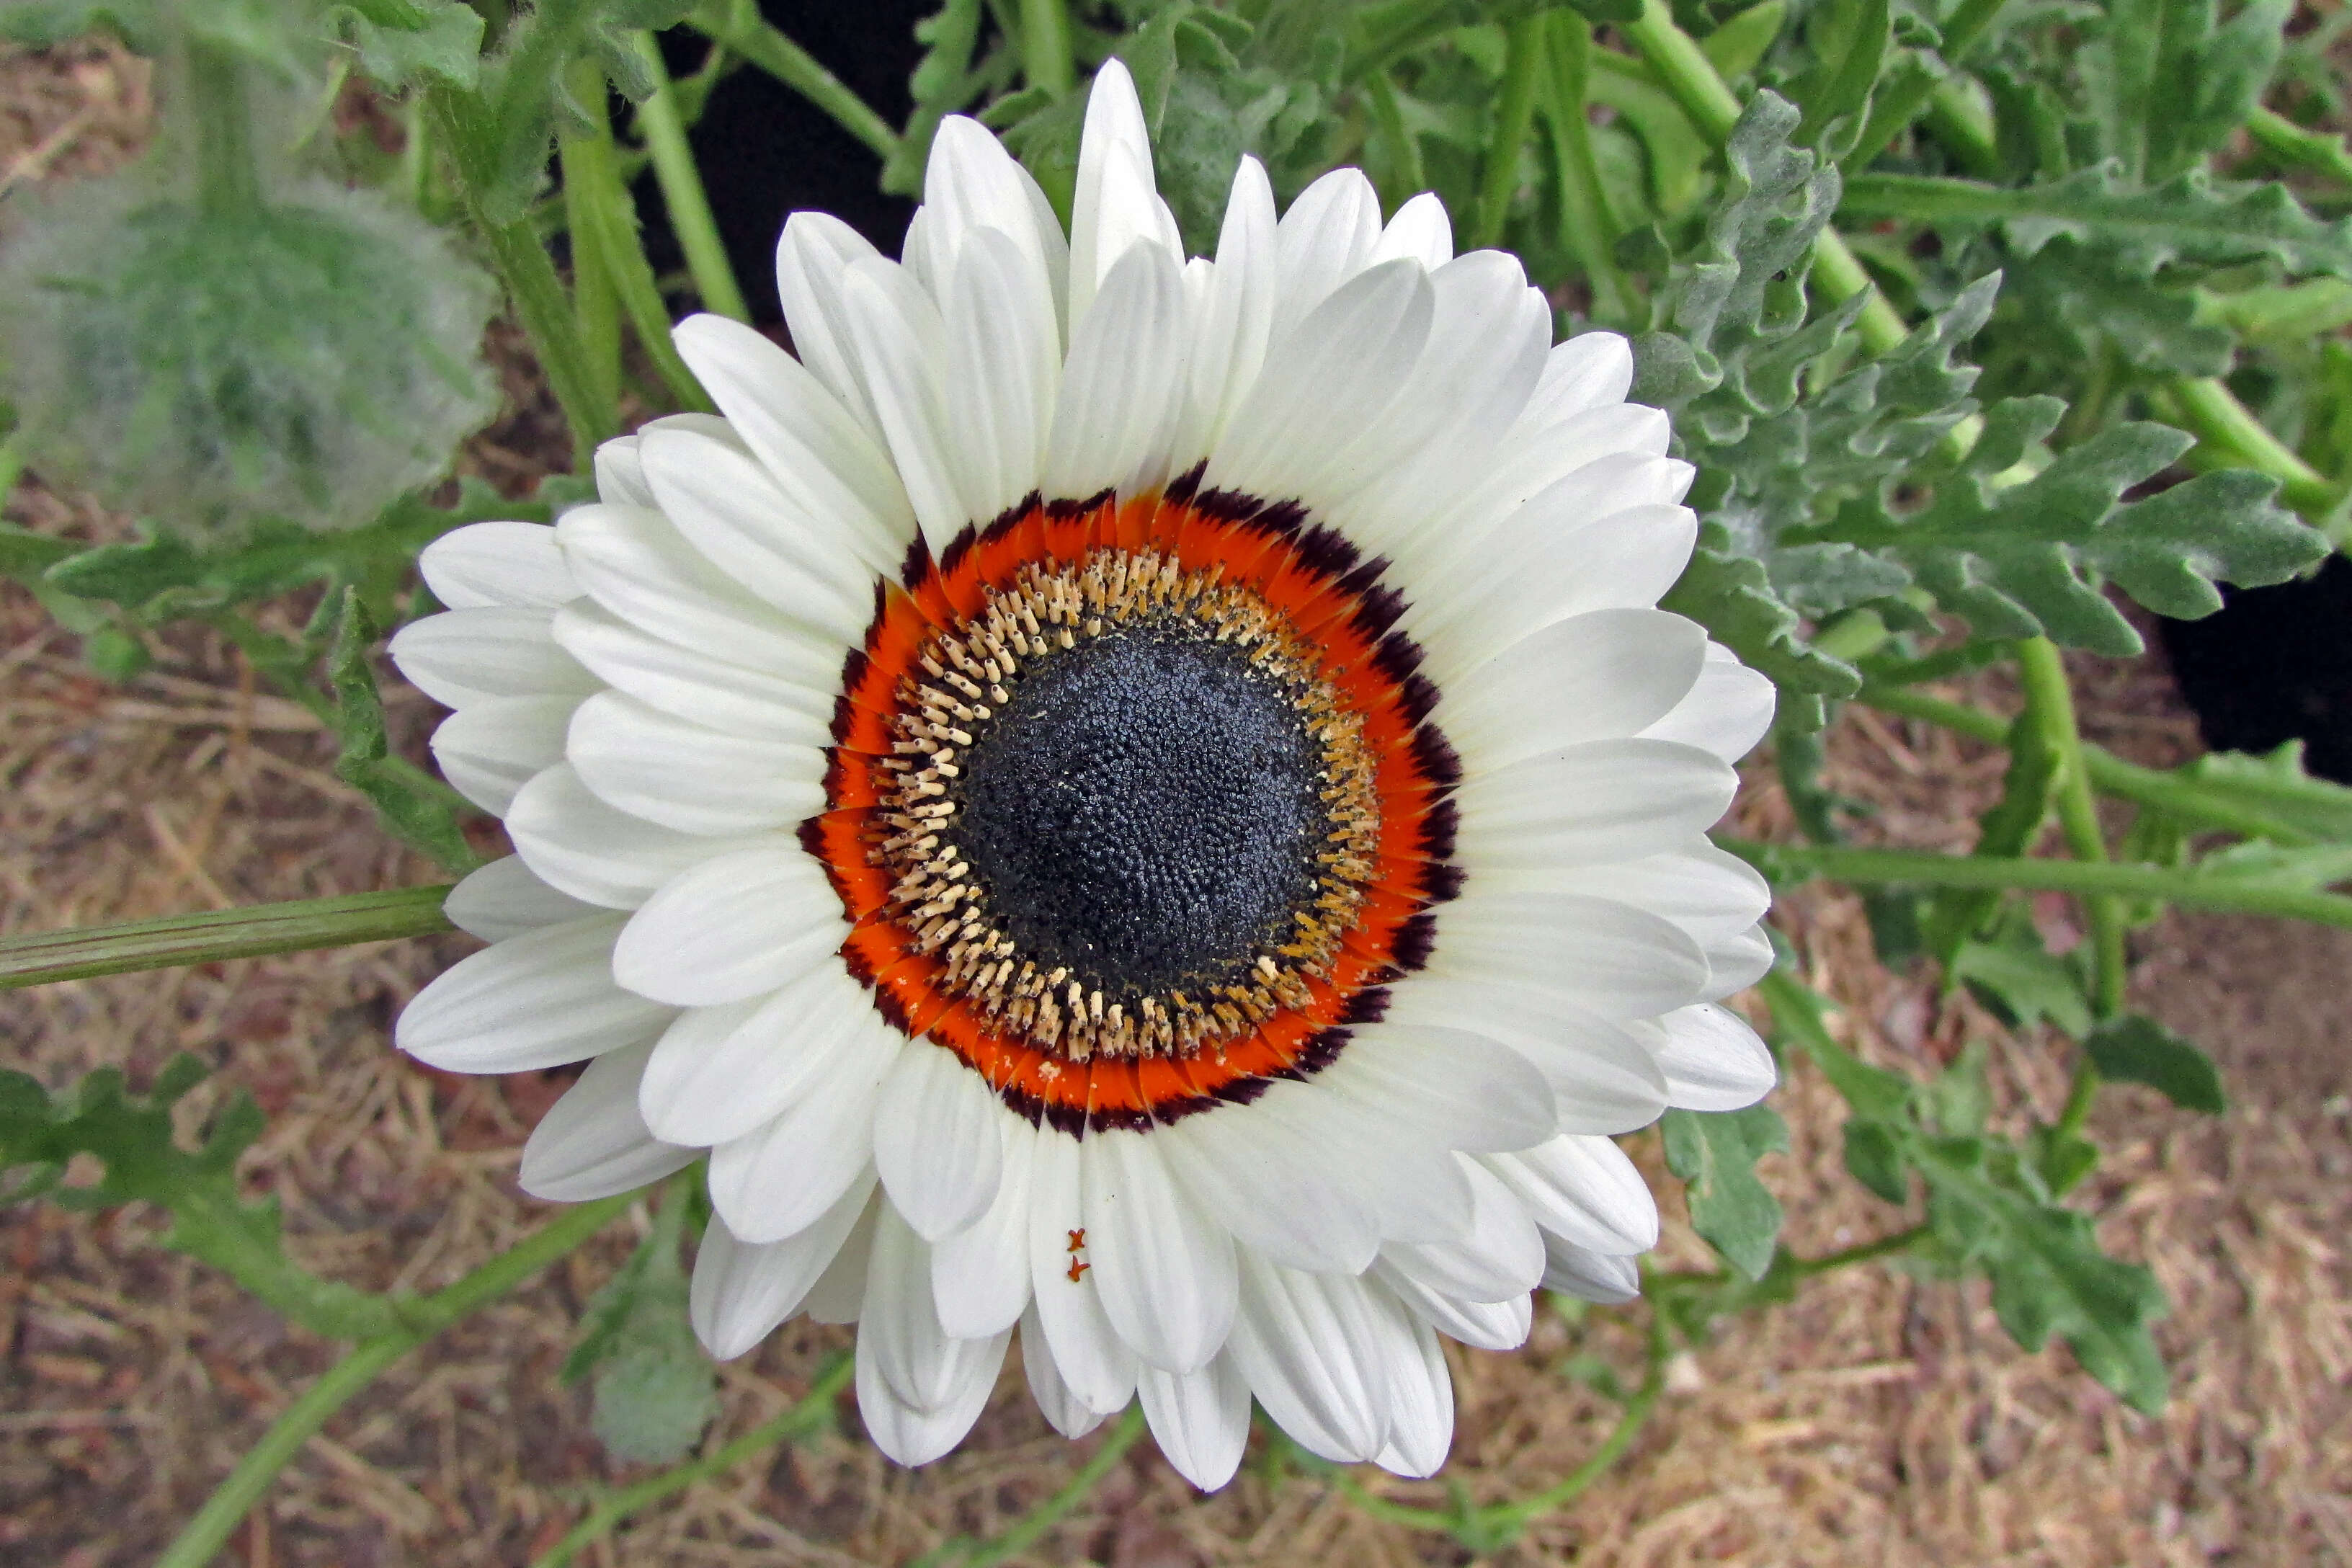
{"x":1078,"y":1239}
{"x":1077,"y":1268}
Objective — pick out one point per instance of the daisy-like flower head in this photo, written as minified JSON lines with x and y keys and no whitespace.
{"x":1143,"y":800}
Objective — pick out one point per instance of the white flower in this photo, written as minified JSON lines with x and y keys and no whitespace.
{"x":1144,"y":800}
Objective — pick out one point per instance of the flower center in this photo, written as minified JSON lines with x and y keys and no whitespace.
{"x":1145,"y":813}
{"x":1133,"y":829}
{"x":1135,"y":806}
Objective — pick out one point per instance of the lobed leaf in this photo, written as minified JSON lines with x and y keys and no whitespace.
{"x":1716,"y":1152}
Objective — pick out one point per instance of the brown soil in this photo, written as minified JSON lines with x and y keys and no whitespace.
{"x":1878,"y":1418}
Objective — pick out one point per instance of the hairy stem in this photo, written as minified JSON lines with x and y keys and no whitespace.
{"x":2155,"y":787}
{"x":2289,"y":143}
{"x":1498,"y":173}
{"x":1047,"y":56}
{"x":205,"y":1534}
{"x":2229,"y":436}
{"x":1589,"y":224}
{"x":807,"y":1415}
{"x":675,"y":170}
{"x":1892,"y":114}
{"x":1789,"y":863}
{"x":46,"y":957}
{"x":2050,"y":708}
{"x":219,"y":117}
{"x":741,"y":30}
{"x":595,"y":292}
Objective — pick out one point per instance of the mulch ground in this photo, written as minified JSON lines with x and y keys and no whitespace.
{"x":1878,"y":1418}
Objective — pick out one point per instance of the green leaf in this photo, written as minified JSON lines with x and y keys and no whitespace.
{"x":1716,"y":1152}
{"x":2190,"y":218}
{"x":133,"y":1138}
{"x":1729,"y":594}
{"x":2008,"y":830}
{"x":2010,"y":973}
{"x":2167,"y":86}
{"x":2135,"y":1049}
{"x":402,"y":42}
{"x":2276,"y":784}
{"x":44,"y":24}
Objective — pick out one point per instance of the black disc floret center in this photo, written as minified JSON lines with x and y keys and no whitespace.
{"x":1146,"y":812}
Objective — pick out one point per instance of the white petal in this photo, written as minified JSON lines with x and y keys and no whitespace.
{"x":1590,"y":805}
{"x":720,"y":498}
{"x":1708,"y":892}
{"x":1233,"y":317}
{"x":1592,"y":370}
{"x":1325,"y":240}
{"x":1420,"y":1403}
{"x":1728,"y":711}
{"x":497,"y":564}
{"x":1737,"y":962}
{"x":1591,"y":677}
{"x":1116,"y":206}
{"x":1270,"y":1191}
{"x":572,"y":840}
{"x":693,"y":778}
{"x":621,"y":475}
{"x":1199,"y":1419}
{"x":503,"y":899}
{"x":971,"y":185}
{"x":936,"y":1140}
{"x":980,"y":1276}
{"x":839,"y":1293}
{"x":1584,"y":1190}
{"x":1124,"y":387}
{"x":592,"y":1143}
{"x":1501,"y":1257}
{"x":1005,"y":365}
{"x":1062,"y":1409}
{"x":635,"y":564}
{"x":1311,"y":1346}
{"x":489,"y":750}
{"x":537,"y":1001}
{"x":719,"y":1072}
{"x":1445,"y":1087}
{"x":778,"y":1181}
{"x":1337,"y":373}
{"x":1416,"y":1190}
{"x":741,"y":1292}
{"x":1481,"y":1325}
{"x":815,"y":449}
{"x":1608,"y":958}
{"x":463,"y":656}
{"x":1420,"y":230}
{"x":1713,"y":1060}
{"x":687,"y":684}
{"x":1590,"y":1276}
{"x":1603,"y":1075}
{"x":1096,"y":1365}
{"x":737,"y":925}
{"x":1162,"y":1268}
{"x":919,"y":1391}
{"x":812,"y":261}
{"x":901,"y":345}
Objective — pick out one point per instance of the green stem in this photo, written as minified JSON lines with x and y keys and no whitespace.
{"x":2155,"y":787}
{"x":1499,"y":174}
{"x":2050,"y":708}
{"x":205,"y":1534}
{"x":1389,"y":115}
{"x":1590,"y":221}
{"x":605,"y":230}
{"x":47,"y":957}
{"x":808,"y":1416}
{"x":1685,"y":70}
{"x":1892,"y":114}
{"x":1789,"y":863}
{"x":1047,"y":59}
{"x":595,"y":292}
{"x":2229,"y":436}
{"x":1864,"y":1252}
{"x":219,"y":118}
{"x":2291,"y":144}
{"x":522,"y":264}
{"x":660,"y":123}
{"x":757,"y":41}
{"x":1046,"y":1514}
